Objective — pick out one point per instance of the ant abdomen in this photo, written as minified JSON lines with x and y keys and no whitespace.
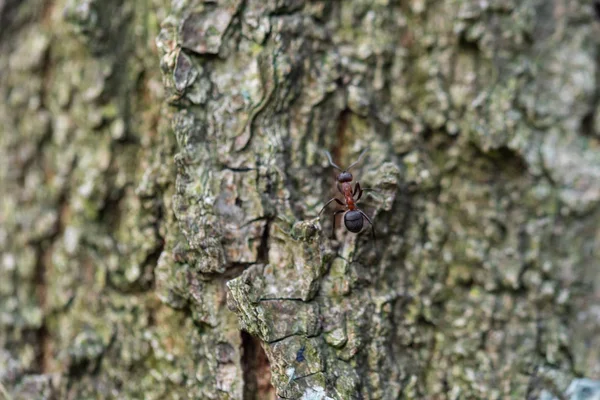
{"x":353,"y":221}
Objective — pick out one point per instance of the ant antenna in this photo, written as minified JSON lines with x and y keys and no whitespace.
{"x":331,"y":161}
{"x":359,"y":158}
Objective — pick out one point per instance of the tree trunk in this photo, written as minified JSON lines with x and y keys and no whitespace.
{"x":156,"y":249}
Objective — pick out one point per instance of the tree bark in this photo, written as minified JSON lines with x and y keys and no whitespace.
{"x":159,"y":224}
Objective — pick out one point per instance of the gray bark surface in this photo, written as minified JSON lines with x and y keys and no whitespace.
{"x":162,"y":172}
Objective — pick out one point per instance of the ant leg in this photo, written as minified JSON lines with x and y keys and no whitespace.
{"x":371,"y":222}
{"x":335,"y":215}
{"x":329,"y":202}
{"x":358,"y":190}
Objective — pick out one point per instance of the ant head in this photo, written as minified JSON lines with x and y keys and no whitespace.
{"x":344,"y":176}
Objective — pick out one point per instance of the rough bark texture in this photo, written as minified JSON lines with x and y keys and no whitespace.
{"x":173,"y":250}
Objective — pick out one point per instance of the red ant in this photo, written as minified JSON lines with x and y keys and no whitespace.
{"x":353,"y":216}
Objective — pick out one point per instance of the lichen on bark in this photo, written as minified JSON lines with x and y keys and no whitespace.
{"x":140,"y":237}
{"x":469,"y":290}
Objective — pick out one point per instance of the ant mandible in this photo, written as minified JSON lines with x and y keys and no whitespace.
{"x":353,"y":216}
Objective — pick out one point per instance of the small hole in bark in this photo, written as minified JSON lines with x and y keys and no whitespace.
{"x":587,"y":124}
{"x":256,"y":370}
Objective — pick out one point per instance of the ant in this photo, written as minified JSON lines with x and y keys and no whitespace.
{"x":353,"y":216}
